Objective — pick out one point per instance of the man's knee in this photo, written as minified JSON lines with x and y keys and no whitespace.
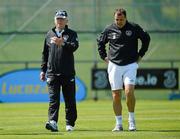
{"x":129,"y":92}
{"x":116,"y":95}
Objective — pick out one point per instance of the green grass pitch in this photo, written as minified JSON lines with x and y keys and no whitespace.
{"x":155,"y":120}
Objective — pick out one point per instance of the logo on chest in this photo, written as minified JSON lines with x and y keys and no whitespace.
{"x":65,"y":37}
{"x":128,"y":32}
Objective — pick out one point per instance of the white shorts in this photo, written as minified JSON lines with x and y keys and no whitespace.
{"x":119,"y":75}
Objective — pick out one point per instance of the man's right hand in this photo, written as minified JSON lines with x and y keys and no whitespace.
{"x":106,"y":60}
{"x":42,"y":76}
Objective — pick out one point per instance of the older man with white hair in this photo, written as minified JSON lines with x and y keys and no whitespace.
{"x":58,"y":64}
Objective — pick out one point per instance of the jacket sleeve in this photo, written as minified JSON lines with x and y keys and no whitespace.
{"x":73,"y":43}
{"x":45,"y":54}
{"x":145,"y":40}
{"x":101,"y":42}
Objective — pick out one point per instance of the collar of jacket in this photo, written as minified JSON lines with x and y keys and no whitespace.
{"x":114,"y":24}
{"x":66,"y":27}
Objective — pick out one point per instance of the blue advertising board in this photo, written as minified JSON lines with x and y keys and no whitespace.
{"x":25,"y":86}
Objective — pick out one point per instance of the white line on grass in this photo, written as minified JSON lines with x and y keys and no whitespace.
{"x":25,"y":23}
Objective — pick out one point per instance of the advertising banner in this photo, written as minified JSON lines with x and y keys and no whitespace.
{"x":151,"y":78}
{"x":25,"y":86}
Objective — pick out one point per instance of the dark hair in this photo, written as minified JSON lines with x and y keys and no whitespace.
{"x":120,"y":11}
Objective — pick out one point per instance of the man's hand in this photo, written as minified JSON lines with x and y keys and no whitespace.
{"x":57,"y":41}
{"x":42,"y":76}
{"x":106,"y":60}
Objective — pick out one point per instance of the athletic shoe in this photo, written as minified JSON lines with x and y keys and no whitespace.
{"x":117,"y":128}
{"x":52,"y":125}
{"x":132,"y":126}
{"x":69,"y":128}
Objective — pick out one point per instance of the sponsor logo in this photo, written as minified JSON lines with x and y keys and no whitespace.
{"x":114,"y":35}
{"x":72,"y":80}
{"x":25,"y":86}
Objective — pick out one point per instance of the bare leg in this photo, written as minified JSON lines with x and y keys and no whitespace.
{"x":117,"y":106}
{"x":117,"y":110}
{"x":130,"y":98}
{"x":130,"y":101}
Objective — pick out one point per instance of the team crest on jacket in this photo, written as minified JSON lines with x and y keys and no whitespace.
{"x":128,"y":32}
{"x":65,"y":37}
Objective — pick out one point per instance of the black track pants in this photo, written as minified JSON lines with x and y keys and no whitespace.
{"x":55,"y":83}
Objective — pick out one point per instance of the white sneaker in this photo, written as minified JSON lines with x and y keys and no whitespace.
{"x":117,"y":128}
{"x":52,"y":125}
{"x":69,"y":128}
{"x":132,"y":126}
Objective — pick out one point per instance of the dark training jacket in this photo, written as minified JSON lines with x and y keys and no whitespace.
{"x":59,"y":60}
{"x":123,"y":43}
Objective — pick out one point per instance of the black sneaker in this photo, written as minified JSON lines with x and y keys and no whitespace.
{"x":52,"y":125}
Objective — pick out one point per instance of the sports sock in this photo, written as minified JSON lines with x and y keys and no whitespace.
{"x":131,"y":116}
{"x":118,"y":120}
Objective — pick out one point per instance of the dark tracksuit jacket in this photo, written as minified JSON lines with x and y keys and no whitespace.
{"x":59,"y":60}
{"x":58,"y":63}
{"x":123,"y":43}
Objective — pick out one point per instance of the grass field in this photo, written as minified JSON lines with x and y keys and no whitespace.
{"x":155,"y":120}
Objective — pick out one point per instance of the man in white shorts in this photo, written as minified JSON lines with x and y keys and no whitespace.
{"x":122,"y":59}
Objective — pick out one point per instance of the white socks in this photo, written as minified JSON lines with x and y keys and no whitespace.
{"x":131,"y":116}
{"x":118,"y":120}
